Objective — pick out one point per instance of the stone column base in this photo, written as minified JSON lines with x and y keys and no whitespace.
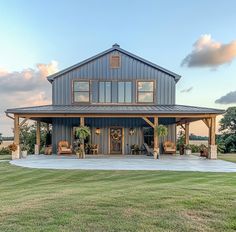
{"x":36,"y":149}
{"x":16,"y":154}
{"x":212,"y":152}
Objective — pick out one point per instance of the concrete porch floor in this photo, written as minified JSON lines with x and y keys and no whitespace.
{"x":126,"y":162}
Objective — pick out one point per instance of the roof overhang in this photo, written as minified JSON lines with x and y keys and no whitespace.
{"x":52,"y":111}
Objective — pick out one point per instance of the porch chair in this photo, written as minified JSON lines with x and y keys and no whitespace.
{"x":94,"y":149}
{"x":64,"y":148}
{"x":147,"y":149}
{"x":169,"y":147}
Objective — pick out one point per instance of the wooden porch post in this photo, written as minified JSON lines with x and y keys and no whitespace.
{"x":156,"y":145}
{"x":212,"y":139}
{"x":16,"y":130}
{"x":16,"y":154}
{"x":37,"y":145}
{"x":82,"y":144}
{"x":186,"y":133}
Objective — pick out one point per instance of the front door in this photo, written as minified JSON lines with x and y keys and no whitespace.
{"x":116,"y":140}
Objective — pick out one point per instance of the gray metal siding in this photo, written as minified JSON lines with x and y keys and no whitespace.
{"x":62,"y":130}
{"x":99,"y":69}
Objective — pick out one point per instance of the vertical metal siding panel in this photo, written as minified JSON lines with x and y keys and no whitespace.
{"x":94,"y":91}
{"x":131,"y":69}
{"x":114,"y":91}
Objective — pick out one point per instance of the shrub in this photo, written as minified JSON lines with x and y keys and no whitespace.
{"x":5,"y":151}
{"x":194,"y":148}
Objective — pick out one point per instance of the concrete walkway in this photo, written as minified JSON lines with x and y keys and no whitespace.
{"x":171,"y":163}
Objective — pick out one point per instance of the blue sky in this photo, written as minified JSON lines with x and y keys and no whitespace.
{"x":163,"y":32}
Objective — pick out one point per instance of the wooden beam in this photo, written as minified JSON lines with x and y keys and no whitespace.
{"x":82,"y":144}
{"x":186,"y":133}
{"x":156,"y":145}
{"x":38,"y":133}
{"x":207,"y":121}
{"x":148,"y":121}
{"x":23,"y":122}
{"x":182,"y":126}
{"x":81,"y":121}
{"x":213,"y":131}
{"x":16,"y":130}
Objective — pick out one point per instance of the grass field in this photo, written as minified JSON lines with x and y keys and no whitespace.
{"x":228,"y":157}
{"x":56,"y":200}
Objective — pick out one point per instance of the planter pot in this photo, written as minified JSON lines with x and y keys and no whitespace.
{"x":79,"y":155}
{"x":188,"y":151}
{"x":24,"y":154}
{"x":181,"y":149}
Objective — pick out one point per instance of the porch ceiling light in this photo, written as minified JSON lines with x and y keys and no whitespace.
{"x":98,"y":131}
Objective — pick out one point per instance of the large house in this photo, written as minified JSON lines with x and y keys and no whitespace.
{"x":121,"y":97}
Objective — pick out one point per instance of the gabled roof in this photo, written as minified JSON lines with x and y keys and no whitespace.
{"x":115,"y":47}
{"x":115,"y":109}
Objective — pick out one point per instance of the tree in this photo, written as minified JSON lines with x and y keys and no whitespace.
{"x":228,"y":129}
{"x":228,"y":122}
{"x":28,"y":135}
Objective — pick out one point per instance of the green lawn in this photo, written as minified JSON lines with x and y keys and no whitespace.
{"x":5,"y":157}
{"x":49,"y":200}
{"x":228,"y":157}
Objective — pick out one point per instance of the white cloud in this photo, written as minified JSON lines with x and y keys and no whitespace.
{"x":209,"y":53}
{"x":28,"y":87}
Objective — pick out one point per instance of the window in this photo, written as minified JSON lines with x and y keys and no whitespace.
{"x":124,"y":92}
{"x":148,"y":136}
{"x":115,"y":61}
{"x":81,"y":91}
{"x":105,"y":91}
{"x":145,"y":91}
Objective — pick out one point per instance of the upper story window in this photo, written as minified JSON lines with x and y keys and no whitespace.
{"x":81,"y":91}
{"x":105,"y":91}
{"x":124,"y":92}
{"x":114,"y":61}
{"x":145,"y":91}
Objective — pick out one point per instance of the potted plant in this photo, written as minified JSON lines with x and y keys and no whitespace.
{"x":180,"y":142}
{"x":15,"y":151}
{"x":77,"y":149}
{"x":203,"y":150}
{"x":161,"y":131}
{"x":134,"y":149}
{"x":82,"y":133}
{"x":24,"y":150}
{"x":188,"y":149}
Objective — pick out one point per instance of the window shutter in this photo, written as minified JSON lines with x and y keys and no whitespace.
{"x":115,"y":61}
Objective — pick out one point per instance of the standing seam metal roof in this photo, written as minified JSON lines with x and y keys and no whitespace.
{"x":114,"y":109}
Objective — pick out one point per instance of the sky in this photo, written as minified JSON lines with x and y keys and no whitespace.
{"x":196,"y":39}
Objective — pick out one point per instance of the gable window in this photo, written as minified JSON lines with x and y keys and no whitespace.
{"x":81,"y":91}
{"x":124,"y":91}
{"x":105,"y":91}
{"x":145,"y":91}
{"x":115,"y":61}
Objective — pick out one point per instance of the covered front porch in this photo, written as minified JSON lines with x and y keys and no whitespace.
{"x":64,"y":118}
